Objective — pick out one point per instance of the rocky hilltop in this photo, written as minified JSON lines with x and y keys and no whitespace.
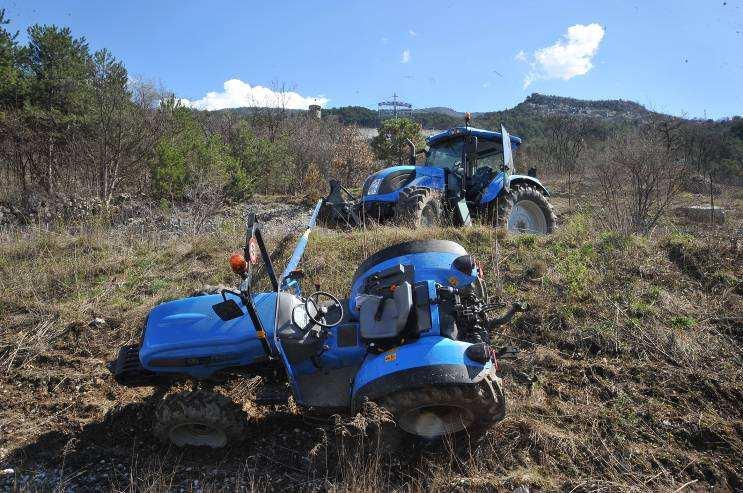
{"x":563,"y":106}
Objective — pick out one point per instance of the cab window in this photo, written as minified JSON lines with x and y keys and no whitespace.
{"x":489,"y":154}
{"x":445,"y":155}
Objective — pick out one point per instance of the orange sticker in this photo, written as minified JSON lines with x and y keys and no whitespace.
{"x":390,"y":357}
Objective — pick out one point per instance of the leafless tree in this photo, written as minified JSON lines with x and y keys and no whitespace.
{"x":566,"y":141}
{"x":639,"y":179}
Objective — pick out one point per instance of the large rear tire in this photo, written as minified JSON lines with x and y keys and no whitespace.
{"x":199,"y":418}
{"x":434,"y":412}
{"x":524,"y":210}
{"x":419,"y":207}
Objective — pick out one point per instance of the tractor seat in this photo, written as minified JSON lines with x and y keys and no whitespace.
{"x":383,"y":317}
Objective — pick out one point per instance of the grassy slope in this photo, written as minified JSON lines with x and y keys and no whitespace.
{"x":629,"y":376}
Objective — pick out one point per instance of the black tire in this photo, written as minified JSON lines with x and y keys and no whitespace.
{"x":199,"y":418}
{"x":419,"y":207}
{"x":523,"y":196}
{"x":434,"y":412}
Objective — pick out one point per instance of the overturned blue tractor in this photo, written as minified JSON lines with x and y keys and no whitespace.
{"x":468,"y":175}
{"x":413,"y":335}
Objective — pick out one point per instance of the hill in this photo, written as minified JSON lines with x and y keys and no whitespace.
{"x":561,"y":106}
{"x":526,"y":118}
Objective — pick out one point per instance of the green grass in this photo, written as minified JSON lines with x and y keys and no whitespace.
{"x":614,"y":341}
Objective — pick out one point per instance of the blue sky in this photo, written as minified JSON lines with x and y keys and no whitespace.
{"x":679,"y":57}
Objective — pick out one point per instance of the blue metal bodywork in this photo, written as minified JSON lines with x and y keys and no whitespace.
{"x":425,"y":176}
{"x":189,"y":332}
{"x":493,"y":189}
{"x":425,"y":352}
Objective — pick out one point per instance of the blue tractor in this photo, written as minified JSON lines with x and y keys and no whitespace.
{"x":468,"y":174}
{"x":413,"y":335}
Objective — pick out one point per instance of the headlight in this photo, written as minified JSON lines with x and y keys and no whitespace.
{"x":374,"y":187}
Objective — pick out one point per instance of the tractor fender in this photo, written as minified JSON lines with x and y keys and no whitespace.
{"x":493,"y":189}
{"x":496,"y":185}
{"x":528,"y":180}
{"x":427,"y":361}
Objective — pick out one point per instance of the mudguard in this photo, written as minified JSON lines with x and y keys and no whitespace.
{"x":495,"y":187}
{"x":426,"y":361}
{"x":529,"y":180}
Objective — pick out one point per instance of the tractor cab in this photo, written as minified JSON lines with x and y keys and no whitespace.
{"x":471,"y":158}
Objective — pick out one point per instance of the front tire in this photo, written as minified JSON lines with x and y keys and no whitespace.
{"x":199,"y":418}
{"x":524,"y":210}
{"x":434,"y":412}
{"x":419,"y":207}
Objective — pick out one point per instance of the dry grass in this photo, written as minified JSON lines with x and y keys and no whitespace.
{"x":629,"y":377}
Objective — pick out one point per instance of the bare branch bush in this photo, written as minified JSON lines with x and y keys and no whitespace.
{"x":638,"y":180}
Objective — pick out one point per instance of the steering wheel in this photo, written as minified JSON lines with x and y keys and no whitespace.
{"x":321,"y":311}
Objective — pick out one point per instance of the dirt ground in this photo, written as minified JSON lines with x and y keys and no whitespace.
{"x":629,"y":377}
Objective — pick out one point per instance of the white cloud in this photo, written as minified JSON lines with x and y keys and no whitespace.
{"x":412,"y":33}
{"x":239,"y":94}
{"x":405,"y":57}
{"x":570,"y":56}
{"x":485,"y":85}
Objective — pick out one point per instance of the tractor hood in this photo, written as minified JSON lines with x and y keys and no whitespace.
{"x":388,"y":180}
{"x":187,"y":336}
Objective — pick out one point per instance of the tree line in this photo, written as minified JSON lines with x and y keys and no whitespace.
{"x":73,"y":122}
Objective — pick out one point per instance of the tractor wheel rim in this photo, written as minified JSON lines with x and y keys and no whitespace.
{"x":436,"y":420}
{"x":197,"y":434}
{"x":527,"y":217}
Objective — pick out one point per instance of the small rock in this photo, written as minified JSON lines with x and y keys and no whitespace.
{"x":296,"y":430}
{"x":98,"y":322}
{"x":521,"y":489}
{"x":702,"y":213}
{"x":7,"y":472}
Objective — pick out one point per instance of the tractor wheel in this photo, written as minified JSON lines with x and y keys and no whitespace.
{"x":434,"y":412}
{"x":524,"y":210}
{"x":199,"y":418}
{"x":419,"y":207}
